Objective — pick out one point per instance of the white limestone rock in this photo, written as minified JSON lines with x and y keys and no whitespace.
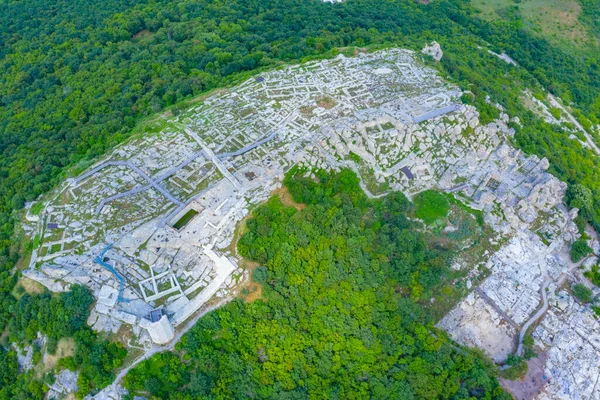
{"x":434,"y":50}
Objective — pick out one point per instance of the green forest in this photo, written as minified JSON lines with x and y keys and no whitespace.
{"x":57,"y":317}
{"x":334,"y":320}
{"x":78,"y":77}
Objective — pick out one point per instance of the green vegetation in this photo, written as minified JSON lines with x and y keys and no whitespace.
{"x":58,"y":316}
{"x":565,"y":23}
{"x":579,"y":250}
{"x":37,"y":208}
{"x":183,"y":221}
{"x":96,"y":359}
{"x":590,"y":15}
{"x":529,"y":352}
{"x":579,"y":196}
{"x":593,"y":274}
{"x":337,"y":319}
{"x":76,"y":78}
{"x":15,"y":385}
{"x":355,"y":157}
{"x":431,"y":206}
{"x":517,"y":368}
{"x":582,"y":292}
{"x":260,"y":274}
{"x":163,"y":375}
{"x":555,"y":112}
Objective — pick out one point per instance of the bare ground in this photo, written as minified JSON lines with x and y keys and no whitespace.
{"x":255,"y":290}
{"x":31,"y":286}
{"x":66,"y":348}
{"x":287,"y":200}
{"x":531,"y":384}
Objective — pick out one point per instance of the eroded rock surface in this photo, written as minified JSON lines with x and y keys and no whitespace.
{"x":159,"y":212}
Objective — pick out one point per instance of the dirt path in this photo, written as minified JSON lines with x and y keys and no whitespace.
{"x":537,"y":315}
{"x":588,"y":137}
{"x":532,"y":383}
{"x":111,"y":392}
{"x":559,"y":282}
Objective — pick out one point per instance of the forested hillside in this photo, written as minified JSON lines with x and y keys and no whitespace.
{"x":60,"y":317}
{"x":76,"y":77}
{"x":334,"y":321}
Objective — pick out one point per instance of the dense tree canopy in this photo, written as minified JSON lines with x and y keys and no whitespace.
{"x":58,"y":316}
{"x":77,"y":76}
{"x":579,"y":250}
{"x":335,"y":320}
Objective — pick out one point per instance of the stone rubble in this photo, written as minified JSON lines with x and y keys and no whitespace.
{"x":65,"y":383}
{"x":162,"y":208}
{"x":434,"y":50}
{"x":475,"y":323}
{"x":569,"y":334}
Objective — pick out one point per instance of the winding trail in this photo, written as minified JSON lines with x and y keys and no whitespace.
{"x":535,"y":316}
{"x":588,"y":137}
{"x":544,"y":292}
{"x":111,"y":392}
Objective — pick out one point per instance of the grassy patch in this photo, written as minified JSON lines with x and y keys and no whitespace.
{"x":287,"y":200}
{"x":37,"y":208}
{"x":252,"y":292}
{"x":187,"y":217}
{"x":516,"y":371}
{"x":326,"y":102}
{"x":557,"y":21}
{"x":355,"y":157}
{"x":26,"y":285}
{"x":478,"y":214}
{"x":372,"y":185}
{"x":65,"y":348}
{"x":431,"y":206}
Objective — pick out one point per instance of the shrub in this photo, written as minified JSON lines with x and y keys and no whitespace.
{"x":581,"y":197}
{"x":593,"y":275}
{"x":20,"y":290}
{"x":529,"y":353}
{"x":513,"y":359}
{"x":37,"y":354}
{"x":517,"y":367}
{"x":260,"y":275}
{"x":555,"y":112}
{"x":52,"y":345}
{"x":579,"y":250}
{"x":582,"y":292}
